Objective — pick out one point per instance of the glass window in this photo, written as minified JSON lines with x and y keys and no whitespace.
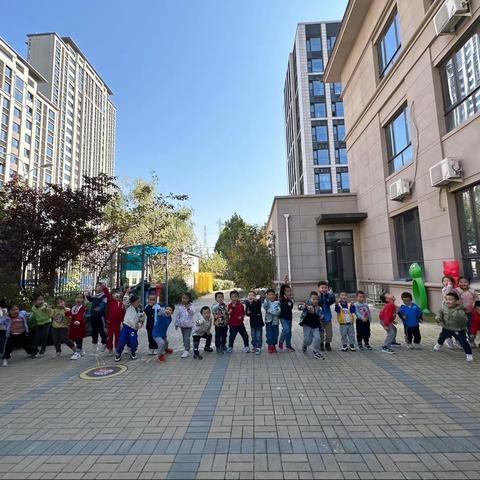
{"x":16,"y":127}
{"x":331,"y":43}
{"x":399,"y":145}
{"x":343,"y":181}
{"x":389,"y":45}
{"x":341,"y":156}
{"x":19,"y":83}
{"x":337,"y":88}
{"x":4,"y":118}
{"x":18,"y":96}
{"x":26,"y":152}
{"x":51,"y":126}
{"x":50,"y":139}
{"x":30,"y":96}
{"x":7,"y":86}
{"x":321,"y":156}
{"x":337,"y":109}
{"x":318,"y":110}
{"x":8,"y":72}
{"x":314,"y":45}
{"x":468,"y":202}
{"x":461,"y":82}
{"x":15,"y":143}
{"x":6,"y":103}
{"x":315,"y":65}
{"x":17,"y":112}
{"x":323,"y":181}
{"x":48,"y":178}
{"x":3,"y":135}
{"x":320,"y":133}
{"x":408,"y":240}
{"x":28,"y":138}
{"x":49,"y":152}
{"x":317,"y":88}
{"x":28,"y":124}
{"x":339,"y":132}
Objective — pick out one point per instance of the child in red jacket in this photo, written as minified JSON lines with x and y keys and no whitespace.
{"x":236,"y":315}
{"x":114,"y":317}
{"x":387,"y":320}
{"x":77,"y":325}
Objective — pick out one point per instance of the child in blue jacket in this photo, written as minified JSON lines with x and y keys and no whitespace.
{"x":411,"y":316}
{"x":159,"y":331}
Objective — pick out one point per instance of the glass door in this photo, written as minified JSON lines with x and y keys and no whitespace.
{"x":340,"y":260}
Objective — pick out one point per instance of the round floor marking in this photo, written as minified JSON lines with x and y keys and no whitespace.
{"x":106,"y":371}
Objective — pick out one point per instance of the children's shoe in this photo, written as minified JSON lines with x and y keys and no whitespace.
{"x":133,"y":355}
{"x":258,"y":351}
{"x":246,"y":350}
{"x":322,"y":347}
{"x":437,"y":347}
{"x":75,"y":356}
{"x":197,"y":356}
{"x":328,"y":348}
{"x":41,"y":353}
{"x":318,"y":355}
{"x":162,"y":358}
{"x":289,"y":347}
{"x":304,"y":349}
{"x":274,"y":349}
{"x":220,"y":350}
{"x":280,"y":345}
{"x":469,"y":358}
{"x":388,"y":350}
{"x":118,"y":357}
{"x":185,"y":354}
{"x":208,"y":349}
{"x":169,"y":350}
{"x":344,"y":348}
{"x":57,"y":354}
{"x":395,"y":344}
{"x":4,"y":362}
{"x":360,"y":346}
{"x":368,"y":347}
{"x":352,"y":348}
{"x":409,"y":346}
{"x":229,"y":350}
{"x":449,"y":343}
{"x":152,"y":352}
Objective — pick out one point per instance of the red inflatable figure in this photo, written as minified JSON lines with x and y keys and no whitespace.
{"x":451,"y":268}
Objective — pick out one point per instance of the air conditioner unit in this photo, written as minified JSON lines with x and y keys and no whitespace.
{"x":399,"y":189}
{"x":445,"y":172}
{"x":449,"y":14}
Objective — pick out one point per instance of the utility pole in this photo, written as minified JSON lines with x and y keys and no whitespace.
{"x":220,"y":226}
{"x":205,"y":241}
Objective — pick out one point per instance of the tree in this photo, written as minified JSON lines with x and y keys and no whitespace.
{"x":214,"y":263}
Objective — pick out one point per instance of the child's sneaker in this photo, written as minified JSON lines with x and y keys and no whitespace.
{"x":229,"y":349}
{"x":118,"y":357}
{"x":258,"y":351}
{"x":57,"y":354}
{"x":152,"y":352}
{"x":368,"y":347}
{"x":4,"y":362}
{"x":328,"y":348}
{"x":169,"y":350}
{"x":318,"y":355}
{"x":469,"y":358}
{"x":437,"y":347}
{"x":185,"y":354}
{"x":352,"y":348}
{"x":304,"y":349}
{"x":289,"y":347}
{"x":246,"y":350}
{"x":344,"y":348}
{"x":449,"y":343}
{"x":197,"y":355}
{"x":133,"y":355}
{"x":360,"y":346}
{"x":208,"y":349}
{"x":396,"y":344}
{"x":162,"y":358}
{"x":280,"y":345}
{"x":388,"y":350}
{"x":83,"y":353}
{"x":75,"y":356}
{"x":41,"y":353}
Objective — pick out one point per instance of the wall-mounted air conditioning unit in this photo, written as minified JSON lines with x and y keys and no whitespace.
{"x":399,"y":189}
{"x":449,"y":14}
{"x":445,"y":172}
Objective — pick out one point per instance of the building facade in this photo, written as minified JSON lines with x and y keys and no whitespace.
{"x":86,"y":137}
{"x":28,"y":124}
{"x":313,"y":110}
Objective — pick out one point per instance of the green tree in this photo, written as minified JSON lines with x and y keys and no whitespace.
{"x":214,"y":263}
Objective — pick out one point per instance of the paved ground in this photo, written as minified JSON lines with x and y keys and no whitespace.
{"x":415,"y":414}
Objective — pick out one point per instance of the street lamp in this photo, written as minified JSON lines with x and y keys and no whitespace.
{"x":26,"y":166}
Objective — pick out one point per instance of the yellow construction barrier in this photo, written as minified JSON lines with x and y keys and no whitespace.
{"x":204,"y":282}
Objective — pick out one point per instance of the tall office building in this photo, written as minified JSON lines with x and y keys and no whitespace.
{"x":86,"y":137}
{"x":314,"y":125}
{"x":28,"y":124}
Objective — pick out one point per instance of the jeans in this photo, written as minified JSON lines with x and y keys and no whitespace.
{"x":196,"y":341}
{"x":59,"y":336}
{"x":234,"y":329}
{"x":186,"y":334}
{"x":162,"y":345}
{"x":311,"y":336}
{"x":98,"y":328}
{"x":347,"y":332}
{"x":413,"y":333}
{"x":286,"y":335}
{"x":363,"y":331}
{"x":272,"y":333}
{"x":459,"y":335}
{"x":391,"y":336}
{"x":41,"y":337}
{"x":257,"y":334}
{"x":326,"y":334}
{"x":129,"y":338}
{"x":221,"y":336}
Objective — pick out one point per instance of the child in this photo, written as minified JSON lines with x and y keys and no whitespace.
{"x":448,"y":283}
{"x":77,"y":325}
{"x":272,"y":320}
{"x":253,"y":309}
{"x":454,"y":322}
{"x":60,"y":329}
{"x":411,"y":316}
{"x":159,"y":332}
{"x":286,"y":307}
{"x":16,"y":333}
{"x":4,"y":332}
{"x":311,"y":322}
{"x":151,"y":311}
{"x":133,"y":320}
{"x":387,"y":320}
{"x":236,"y":315}
{"x":362,"y":312}
{"x":97,"y":313}
{"x":115,"y":311}
{"x":202,"y":329}
{"x":185,"y":320}
{"x":41,"y":317}
{"x":467,"y":298}
{"x":220,"y":320}
{"x":345,"y":317}
{"x":475,"y":325}
{"x":326,"y":298}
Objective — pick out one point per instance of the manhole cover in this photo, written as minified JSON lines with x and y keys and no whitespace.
{"x":99,"y":373}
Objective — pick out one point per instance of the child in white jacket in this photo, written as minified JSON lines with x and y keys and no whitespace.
{"x":185,"y":321}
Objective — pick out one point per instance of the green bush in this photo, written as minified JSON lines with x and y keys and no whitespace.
{"x":176,"y":287}
{"x":220,"y":284}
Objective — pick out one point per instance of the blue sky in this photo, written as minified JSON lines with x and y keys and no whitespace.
{"x":198,"y":87}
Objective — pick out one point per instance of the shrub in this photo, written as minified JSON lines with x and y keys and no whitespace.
{"x":176,"y":287}
{"x":220,"y":284}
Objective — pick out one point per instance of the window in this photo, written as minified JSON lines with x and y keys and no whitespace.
{"x":314,"y":45}
{"x":3,"y":135}
{"x":49,"y":152}
{"x":321,"y":156}
{"x":323,"y":181}
{"x":339,"y":132}
{"x":408,"y":240}
{"x":30,"y":96}
{"x":341,"y":156}
{"x":389,"y":45}
{"x":15,"y":143}
{"x":468,"y":202}
{"x":26,"y":152}
{"x":7,"y":86}
{"x":318,"y":110}
{"x":8,"y":72}
{"x":399,"y":145}
{"x":16,"y":127}
{"x":50,"y":139}
{"x":19,"y":83}
{"x":18,"y":96}
{"x":28,"y":138}
{"x":51,"y":114}
{"x":461,"y":82}
{"x":17,"y":112}
{"x":315,"y":65}
{"x":51,"y":126}
{"x":320,"y":133}
{"x":4,"y":118}
{"x":331,"y":43}
{"x":337,"y":109}
{"x":28,"y":124}
{"x":343,"y":181}
{"x":337,"y":88}
{"x":6,"y":103}
{"x":317,"y":88}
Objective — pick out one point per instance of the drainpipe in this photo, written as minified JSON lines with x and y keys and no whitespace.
{"x":287,"y":233}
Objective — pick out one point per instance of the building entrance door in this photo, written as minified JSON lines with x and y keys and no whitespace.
{"x":340,"y":260}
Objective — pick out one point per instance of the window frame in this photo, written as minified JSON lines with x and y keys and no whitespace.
{"x":338,"y":173}
{"x":390,"y":156}
{"x":317,"y":173}
{"x":392,"y":20}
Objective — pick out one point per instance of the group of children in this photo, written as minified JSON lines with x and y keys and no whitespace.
{"x":123,"y":315}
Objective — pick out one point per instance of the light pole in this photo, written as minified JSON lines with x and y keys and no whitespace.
{"x":26,"y":166}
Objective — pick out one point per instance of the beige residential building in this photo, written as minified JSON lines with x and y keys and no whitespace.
{"x":28,"y":123}
{"x":86,"y":142}
{"x":412,"y":101}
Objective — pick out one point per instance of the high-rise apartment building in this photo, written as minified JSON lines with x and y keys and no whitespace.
{"x":314,"y":126}
{"x":86,"y":137}
{"x":28,"y":123}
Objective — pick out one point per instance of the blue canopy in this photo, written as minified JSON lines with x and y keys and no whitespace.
{"x":144,"y":248}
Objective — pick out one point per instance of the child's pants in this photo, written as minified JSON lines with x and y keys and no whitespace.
{"x":79,"y":343}
{"x":59,"y":336}
{"x":196,"y":341}
{"x":391,"y":335}
{"x":98,"y":328}
{"x":22,"y":340}
{"x":152,"y":344}
{"x":363,"y":331}
{"x":347,"y":332}
{"x":234,"y":329}
{"x":162,"y":345}
{"x":41,"y":337}
{"x":128,"y":337}
{"x":311,"y":336}
{"x":272,"y":333}
{"x":113,"y":334}
{"x":186,"y":334}
{"x":286,"y":335}
{"x":326,"y":334}
{"x":257,"y":334}
{"x":221,"y":336}
{"x":459,"y":335}
{"x":413,"y":333}
{"x":3,"y":341}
